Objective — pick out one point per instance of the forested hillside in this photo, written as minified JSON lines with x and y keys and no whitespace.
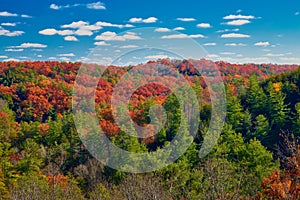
{"x":42,"y":156}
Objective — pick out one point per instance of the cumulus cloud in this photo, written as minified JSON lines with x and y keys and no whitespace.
{"x":101,"y":43}
{"x":8,"y":14}
{"x":262,"y":44}
{"x":239,"y":16}
{"x":227,"y":53}
{"x":83,"y":32}
{"x":187,"y":19}
{"x":77,"y":24}
{"x":235,"y":35}
{"x":8,"y":24}
{"x":204,"y":25}
{"x":51,"y":31}
{"x":128,"y":47}
{"x":235,"y":45}
{"x":112,"y":36}
{"x":155,"y":57}
{"x":3,"y":57}
{"x":182,"y":36}
{"x":30,"y":45}
{"x":228,"y":30}
{"x":66,"y":55}
{"x":55,"y":7}
{"x":85,"y":29}
{"x":141,"y":20}
{"x":210,"y":44}
{"x":162,"y":30}
{"x":65,"y":59}
{"x":26,"y":16}
{"x":11,"y":59}
{"x":8,"y":33}
{"x":238,"y":22}
{"x":14,"y":50}
{"x":211,"y":56}
{"x":108,"y":24}
{"x":179,"y":29}
{"x":293,"y":60}
{"x":249,"y":60}
{"x":96,"y":6}
{"x":274,"y":55}
{"x":71,"y":38}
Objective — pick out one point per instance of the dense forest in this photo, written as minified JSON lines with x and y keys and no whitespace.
{"x":256,"y":157}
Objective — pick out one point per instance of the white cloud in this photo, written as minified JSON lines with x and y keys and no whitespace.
{"x":141,"y":20}
{"x":8,"y":33}
{"x":8,"y":24}
{"x":182,"y":36}
{"x":77,"y":24}
{"x":235,"y":35}
{"x":128,"y":47}
{"x":235,"y":45}
{"x":238,"y":22}
{"x":8,"y":14}
{"x":293,"y":60}
{"x":107,"y":24}
{"x":162,"y":30}
{"x":228,"y":30}
{"x":210,"y":44}
{"x":239,"y":17}
{"x":204,"y":25}
{"x":179,"y":29}
{"x":101,"y":43}
{"x":14,"y":50}
{"x":66,"y":55}
{"x":11,"y":59}
{"x":97,"y":6}
{"x":274,"y":55}
{"x":262,"y":44}
{"x":30,"y":45}
{"x":186,"y":19}
{"x":91,"y":27}
{"x":55,"y":7}
{"x":227,"y":53}
{"x":112,"y":36}
{"x":71,"y":38}
{"x":83,"y":32}
{"x":26,"y":16}
{"x":64,"y":58}
{"x":242,"y":60}
{"x":38,"y":50}
{"x":3,"y":57}
{"x":51,"y":31}
{"x":210,"y":56}
{"x":156,"y":57}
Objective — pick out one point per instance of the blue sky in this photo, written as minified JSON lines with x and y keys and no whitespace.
{"x":234,"y":31}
